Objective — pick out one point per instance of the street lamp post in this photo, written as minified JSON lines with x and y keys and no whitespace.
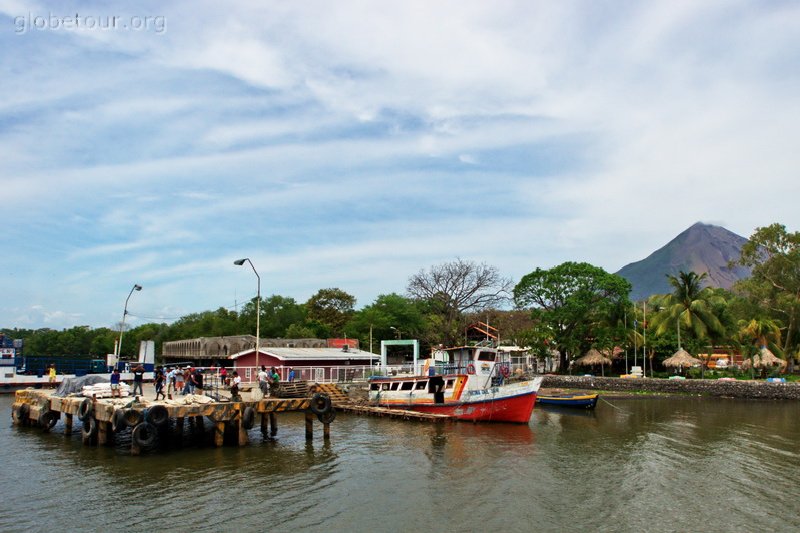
{"x":240,"y":262}
{"x":135,"y":287}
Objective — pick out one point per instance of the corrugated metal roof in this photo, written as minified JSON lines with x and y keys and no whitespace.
{"x":309,"y":353}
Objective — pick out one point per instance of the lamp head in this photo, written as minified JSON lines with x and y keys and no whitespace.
{"x":240,"y":262}
{"x":137,"y":287}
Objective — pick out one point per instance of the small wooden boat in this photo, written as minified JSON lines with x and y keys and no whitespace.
{"x":580,"y":401}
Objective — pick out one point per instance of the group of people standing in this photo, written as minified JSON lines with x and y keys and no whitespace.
{"x":268,"y":380}
{"x":189,"y":380}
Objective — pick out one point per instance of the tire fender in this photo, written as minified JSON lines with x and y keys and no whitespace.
{"x":327,"y":417}
{"x":48,"y":419}
{"x":320,"y":404}
{"x":85,"y":409}
{"x":144,"y":434}
{"x":158,"y":415}
{"x":248,"y":417}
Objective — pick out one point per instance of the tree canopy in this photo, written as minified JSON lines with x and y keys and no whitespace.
{"x":571,"y":304}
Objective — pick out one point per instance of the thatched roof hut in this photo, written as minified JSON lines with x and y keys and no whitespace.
{"x":593,"y":357}
{"x":681,"y":359}
{"x":765,"y":359}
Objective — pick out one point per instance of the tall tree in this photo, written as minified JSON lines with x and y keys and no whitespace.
{"x":453,"y":289}
{"x":278,"y":313}
{"x":331,"y":307}
{"x":774,"y":255}
{"x":689,"y":305}
{"x":571,"y":304}
{"x":386,"y":312}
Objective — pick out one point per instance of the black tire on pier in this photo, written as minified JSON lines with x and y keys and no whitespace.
{"x":144,"y":435}
{"x":327,"y":417}
{"x":85,"y":410}
{"x":89,"y":428}
{"x":133,"y":417}
{"x":158,"y":415}
{"x":118,"y":422}
{"x":320,"y":404}
{"x":23,"y":412}
{"x":48,"y":419}
{"x":248,"y":417}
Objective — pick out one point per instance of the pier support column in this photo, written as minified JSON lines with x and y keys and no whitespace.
{"x":219,"y":434}
{"x":102,"y":433}
{"x":264,"y":424}
{"x":179,"y":428}
{"x":326,"y":431}
{"x":273,"y":424}
{"x":309,"y":426}
{"x":198,"y":424}
{"x":67,"y":424}
{"x":243,"y":439}
{"x":135,"y":449}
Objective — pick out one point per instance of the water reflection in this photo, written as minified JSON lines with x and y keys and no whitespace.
{"x":648,"y":464}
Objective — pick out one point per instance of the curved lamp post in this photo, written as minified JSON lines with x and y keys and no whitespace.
{"x":135,"y":287}
{"x":240,"y":262}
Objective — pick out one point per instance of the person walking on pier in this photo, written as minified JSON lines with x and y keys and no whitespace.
{"x":170,"y":382}
{"x":115,"y":379}
{"x":51,"y":376}
{"x":187,"y":379}
{"x":179,"y":383}
{"x":138,"y":379}
{"x":159,"y":382}
{"x":197,"y":381}
{"x":291,"y":374}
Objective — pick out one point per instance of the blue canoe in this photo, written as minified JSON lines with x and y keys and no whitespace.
{"x":581,"y":401}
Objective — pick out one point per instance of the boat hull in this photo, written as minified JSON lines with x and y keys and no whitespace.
{"x":583,"y":401}
{"x":513,"y":409}
{"x":511,"y":402}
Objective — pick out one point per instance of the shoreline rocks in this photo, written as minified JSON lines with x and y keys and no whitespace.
{"x":760,"y":390}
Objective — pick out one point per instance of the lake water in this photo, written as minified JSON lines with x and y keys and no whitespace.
{"x":639,"y":465}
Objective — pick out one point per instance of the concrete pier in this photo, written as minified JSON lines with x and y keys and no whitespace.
{"x":149,"y":421}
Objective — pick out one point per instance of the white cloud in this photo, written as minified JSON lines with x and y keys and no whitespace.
{"x":352,"y":144}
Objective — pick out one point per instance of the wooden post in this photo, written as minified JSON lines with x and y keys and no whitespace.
{"x":198,"y":424}
{"x":309,"y":426}
{"x":243,"y":440}
{"x":67,"y":424}
{"x":179,"y":428}
{"x":273,"y":423}
{"x":102,"y":433}
{"x":326,"y":431}
{"x":135,"y":449}
{"x":219,"y":434}
{"x":264,"y":425}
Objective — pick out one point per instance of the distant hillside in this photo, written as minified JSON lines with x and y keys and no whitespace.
{"x":701,"y":248}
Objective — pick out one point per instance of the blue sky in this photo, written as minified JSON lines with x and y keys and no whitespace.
{"x":351,"y":144}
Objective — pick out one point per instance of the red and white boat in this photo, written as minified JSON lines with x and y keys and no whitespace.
{"x":469,"y":383}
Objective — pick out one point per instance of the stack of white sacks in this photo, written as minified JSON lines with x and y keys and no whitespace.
{"x":103,"y":390}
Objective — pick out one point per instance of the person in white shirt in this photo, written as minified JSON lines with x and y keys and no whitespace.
{"x":263,"y":380}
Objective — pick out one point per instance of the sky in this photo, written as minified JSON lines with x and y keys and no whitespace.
{"x":352,"y":144}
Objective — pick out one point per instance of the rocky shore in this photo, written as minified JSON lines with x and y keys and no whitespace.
{"x":760,"y":390}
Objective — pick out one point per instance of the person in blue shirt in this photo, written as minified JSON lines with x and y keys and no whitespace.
{"x":115,"y":390}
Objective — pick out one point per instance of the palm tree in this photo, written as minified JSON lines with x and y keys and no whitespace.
{"x":756,"y":334}
{"x":689,"y":307}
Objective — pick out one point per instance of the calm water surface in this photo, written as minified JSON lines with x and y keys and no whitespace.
{"x":643,"y":465}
